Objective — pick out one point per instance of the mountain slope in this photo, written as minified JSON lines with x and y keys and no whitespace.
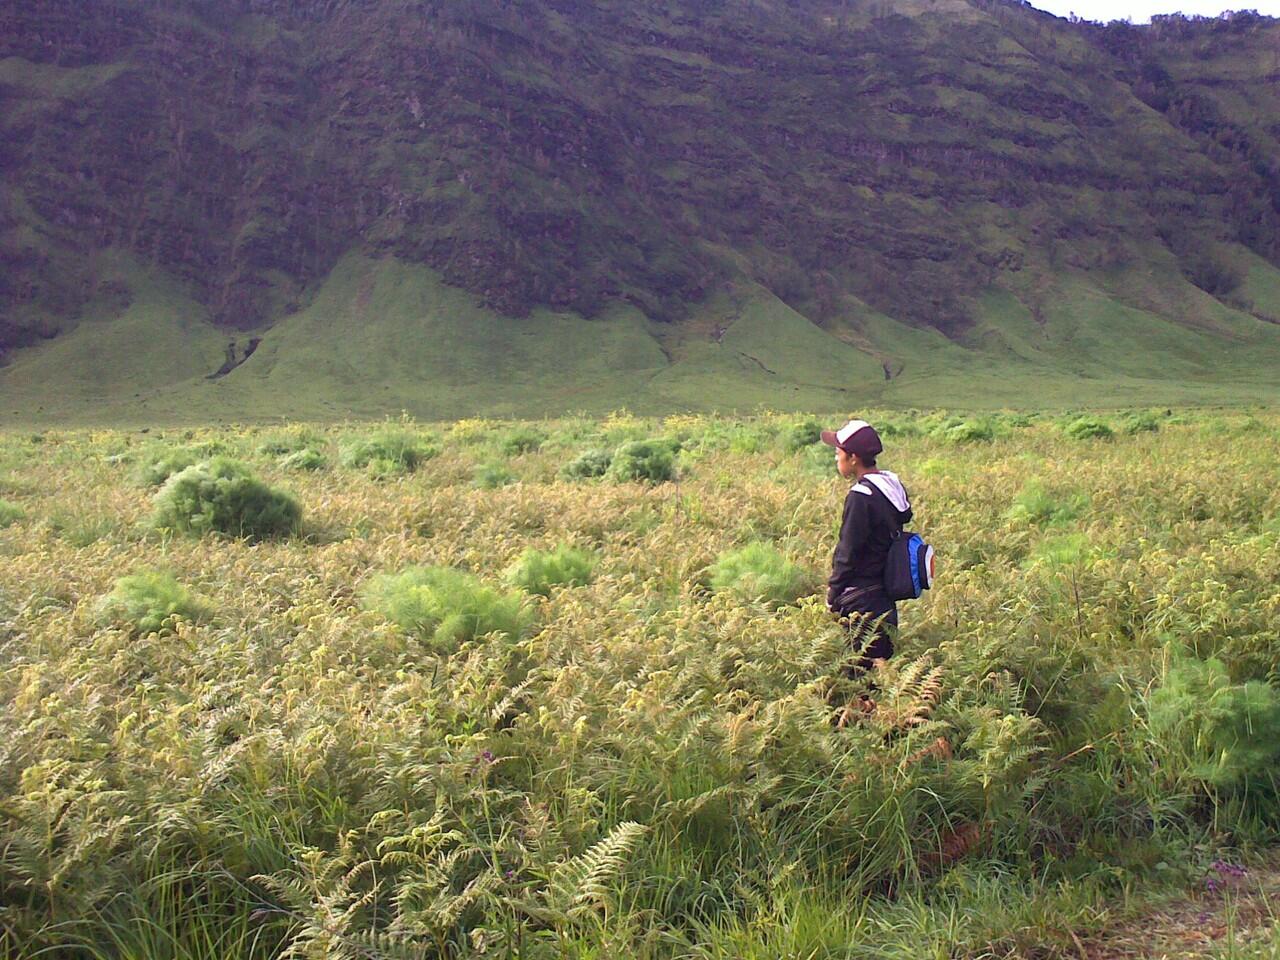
{"x":725,"y":196}
{"x":382,"y":336}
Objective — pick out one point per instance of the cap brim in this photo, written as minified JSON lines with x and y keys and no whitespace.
{"x":829,"y":438}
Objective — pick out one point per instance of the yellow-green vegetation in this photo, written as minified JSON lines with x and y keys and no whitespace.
{"x":359,"y":741}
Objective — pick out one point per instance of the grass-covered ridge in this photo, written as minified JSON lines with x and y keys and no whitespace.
{"x":733,"y":204}
{"x":364,"y":739}
{"x":382,"y":336}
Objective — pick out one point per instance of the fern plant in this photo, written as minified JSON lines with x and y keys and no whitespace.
{"x":582,"y":884}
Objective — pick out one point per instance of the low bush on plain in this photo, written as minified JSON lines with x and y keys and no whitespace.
{"x":294,"y":441}
{"x":761,"y":572}
{"x":587,"y":464}
{"x":890,"y":427}
{"x":522,"y":440}
{"x":1144,"y":422}
{"x":156,"y":466}
{"x":537,"y":571}
{"x":223,"y":496}
{"x":1016,"y":421}
{"x":306,"y":459}
{"x":151,"y":602}
{"x":388,"y":452}
{"x":491,"y":476}
{"x":800,"y":434}
{"x":447,"y":607}
{"x":1223,"y":733}
{"x":1036,"y":504}
{"x":969,"y":431}
{"x":9,"y":513}
{"x":1088,"y":428}
{"x":651,"y":461}
{"x":818,"y":459}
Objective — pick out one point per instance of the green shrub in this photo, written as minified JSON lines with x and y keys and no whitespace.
{"x":587,"y":464}
{"x":151,"y":602}
{"x":647,"y":460}
{"x":742,"y":438}
{"x":1143,"y":422}
{"x":159,"y":464}
{"x":222,"y":495}
{"x":491,"y":476}
{"x":818,"y":459}
{"x":305,"y":459}
{"x":759,"y":571}
{"x":292,"y":442}
{"x":898,"y":428}
{"x":9,"y":513}
{"x":388,"y":452}
{"x":1088,"y":428}
{"x":537,"y":571}
{"x":969,"y":431}
{"x":1017,"y":421}
{"x":800,"y":434}
{"x":446,"y":607}
{"x":1225,"y":734}
{"x":522,"y":440}
{"x":1035,"y":504}
{"x":1062,"y":552}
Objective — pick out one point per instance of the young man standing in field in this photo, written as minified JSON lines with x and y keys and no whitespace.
{"x":875,"y":510}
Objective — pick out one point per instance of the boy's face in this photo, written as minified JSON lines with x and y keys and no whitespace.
{"x":845,"y":463}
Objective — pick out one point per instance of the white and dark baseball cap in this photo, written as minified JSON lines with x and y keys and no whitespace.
{"x":856,"y":437}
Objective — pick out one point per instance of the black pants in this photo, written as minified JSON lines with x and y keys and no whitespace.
{"x":874,"y":619}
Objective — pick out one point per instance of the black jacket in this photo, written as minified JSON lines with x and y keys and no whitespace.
{"x":874,"y":509}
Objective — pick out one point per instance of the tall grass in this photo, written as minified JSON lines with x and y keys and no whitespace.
{"x":376,"y":749}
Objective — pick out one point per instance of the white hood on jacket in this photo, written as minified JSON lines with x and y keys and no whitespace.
{"x":888,"y":483}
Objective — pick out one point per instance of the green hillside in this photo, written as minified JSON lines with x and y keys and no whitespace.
{"x":382,"y":336}
{"x":528,"y":206}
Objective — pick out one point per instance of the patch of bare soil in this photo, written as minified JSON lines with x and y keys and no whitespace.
{"x":1234,"y":914}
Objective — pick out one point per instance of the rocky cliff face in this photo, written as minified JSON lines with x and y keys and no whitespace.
{"x":573,"y":152}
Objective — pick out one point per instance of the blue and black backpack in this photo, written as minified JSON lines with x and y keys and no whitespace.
{"x":908,"y":572}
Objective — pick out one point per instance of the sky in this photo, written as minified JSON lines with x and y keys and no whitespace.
{"x":1140,"y":11}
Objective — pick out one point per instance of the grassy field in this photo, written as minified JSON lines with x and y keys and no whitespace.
{"x":477,"y":702}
